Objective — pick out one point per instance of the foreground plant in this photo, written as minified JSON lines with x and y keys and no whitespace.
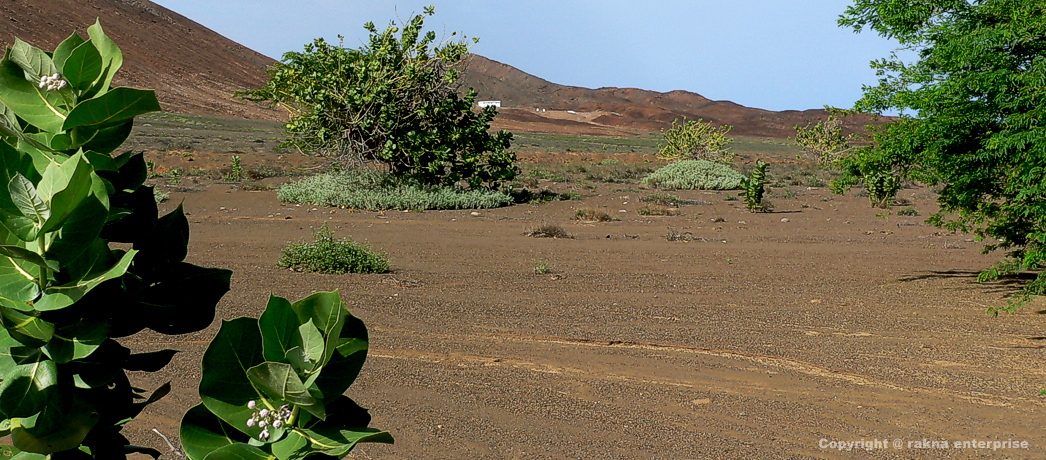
{"x":272,"y":387}
{"x":754,"y":186}
{"x":972,"y":115}
{"x":65,"y":294}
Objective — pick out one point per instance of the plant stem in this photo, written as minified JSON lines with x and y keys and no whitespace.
{"x":45,"y":272}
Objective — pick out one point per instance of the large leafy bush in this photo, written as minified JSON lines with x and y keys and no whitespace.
{"x":695,"y":175}
{"x":973,"y":119}
{"x":396,"y":101}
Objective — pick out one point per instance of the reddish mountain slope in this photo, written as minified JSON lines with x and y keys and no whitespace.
{"x":626,"y":108}
{"x":192,"y":68}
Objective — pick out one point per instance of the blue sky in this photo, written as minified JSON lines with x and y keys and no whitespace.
{"x":771,"y":54}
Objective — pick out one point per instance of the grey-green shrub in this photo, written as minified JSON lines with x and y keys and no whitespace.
{"x":695,"y":175}
{"x":331,"y":255}
{"x":378,"y":191}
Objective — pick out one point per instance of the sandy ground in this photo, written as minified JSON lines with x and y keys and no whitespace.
{"x":758,"y":341}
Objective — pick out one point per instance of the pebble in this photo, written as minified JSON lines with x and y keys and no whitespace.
{"x":475,"y":214}
{"x":784,"y":220}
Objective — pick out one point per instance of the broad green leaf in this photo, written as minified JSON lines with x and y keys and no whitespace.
{"x":83,"y":66}
{"x":167,"y":244}
{"x":337,"y":442}
{"x":34,"y":61}
{"x":83,"y":226}
{"x":344,"y":366}
{"x":42,"y":108}
{"x":58,"y":297}
{"x":65,"y":49}
{"x":312,"y":345}
{"x":225,"y":388}
{"x":112,"y":58}
{"x":117,"y":105}
{"x":280,"y":382}
{"x":21,"y":253}
{"x":101,"y":368}
{"x":27,"y":329}
{"x":239,"y":452}
{"x":77,"y":340}
{"x":25,"y":197}
{"x":26,"y":390}
{"x":59,"y":427}
{"x":107,"y":138}
{"x":326,"y":311}
{"x":293,"y":446}
{"x":279,"y":329}
{"x":202,"y":433}
{"x":18,"y":284}
{"x":63,"y":187}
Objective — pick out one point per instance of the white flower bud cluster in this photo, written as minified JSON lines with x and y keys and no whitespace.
{"x":53,"y":82}
{"x":265,"y":418}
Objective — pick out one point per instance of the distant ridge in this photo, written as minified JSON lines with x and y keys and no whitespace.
{"x":627,"y":108}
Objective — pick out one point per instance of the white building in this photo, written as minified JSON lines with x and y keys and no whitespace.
{"x":496,"y":104}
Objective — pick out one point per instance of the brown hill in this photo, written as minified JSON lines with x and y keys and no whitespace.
{"x":620,"y":108}
{"x":193,"y":69}
{"x":196,"y":70}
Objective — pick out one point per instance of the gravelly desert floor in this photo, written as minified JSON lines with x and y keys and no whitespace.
{"x":758,"y":340}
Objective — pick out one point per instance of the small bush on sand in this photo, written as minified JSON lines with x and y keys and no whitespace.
{"x":657,"y":211}
{"x":909,"y":211}
{"x":592,"y":215}
{"x":330,"y":255}
{"x":542,"y":266}
{"x":549,"y":231}
{"x":378,"y":191}
{"x":695,"y":175}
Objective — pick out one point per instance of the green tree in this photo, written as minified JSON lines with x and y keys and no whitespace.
{"x":395,"y":100}
{"x":973,"y":115}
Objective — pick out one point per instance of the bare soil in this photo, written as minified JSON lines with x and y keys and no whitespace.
{"x":757,"y":338}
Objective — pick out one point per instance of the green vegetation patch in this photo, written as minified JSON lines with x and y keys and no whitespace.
{"x":378,"y":191}
{"x":695,"y":175}
{"x":327,"y":254}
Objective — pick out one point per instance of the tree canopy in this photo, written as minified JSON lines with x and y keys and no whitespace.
{"x":973,"y":116}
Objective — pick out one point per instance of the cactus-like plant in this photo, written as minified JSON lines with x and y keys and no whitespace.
{"x":882,"y":188}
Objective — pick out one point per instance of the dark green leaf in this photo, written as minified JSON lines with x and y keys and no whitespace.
{"x":117,"y":105}
{"x":184,"y":299}
{"x":202,"y":433}
{"x":345,"y":365}
{"x":167,"y":244}
{"x":83,"y":66}
{"x":112,"y":58}
{"x":225,"y":387}
{"x":83,"y":225}
{"x":21,"y":253}
{"x":279,"y":329}
{"x":337,"y":442}
{"x":58,"y":297}
{"x":77,"y":340}
{"x":27,"y":200}
{"x":28,"y":329}
{"x":139,"y":225}
{"x":107,"y":138}
{"x":65,"y":49}
{"x":34,"y":61}
{"x":239,"y":452}
{"x":25,"y":391}
{"x":280,"y":382}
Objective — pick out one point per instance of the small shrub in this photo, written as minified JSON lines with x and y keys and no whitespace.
{"x":327,"y":254}
{"x":695,"y":175}
{"x":610,"y":162}
{"x":695,"y":140}
{"x":542,"y":266}
{"x":657,"y":211}
{"x":662,"y":199}
{"x":235,"y":173}
{"x":754,"y":186}
{"x":616,"y":173}
{"x":549,"y":231}
{"x":909,"y":211}
{"x":160,"y":196}
{"x":379,"y":191}
{"x":592,"y":215}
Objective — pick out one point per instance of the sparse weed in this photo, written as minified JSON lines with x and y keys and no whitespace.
{"x":160,"y":196}
{"x":909,"y":211}
{"x":657,"y":211}
{"x":327,"y":254}
{"x":542,"y":266}
{"x":665,"y":199}
{"x":549,"y":231}
{"x":592,"y":215}
{"x":235,"y":173}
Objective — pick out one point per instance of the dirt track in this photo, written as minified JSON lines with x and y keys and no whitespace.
{"x":756,"y":343}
